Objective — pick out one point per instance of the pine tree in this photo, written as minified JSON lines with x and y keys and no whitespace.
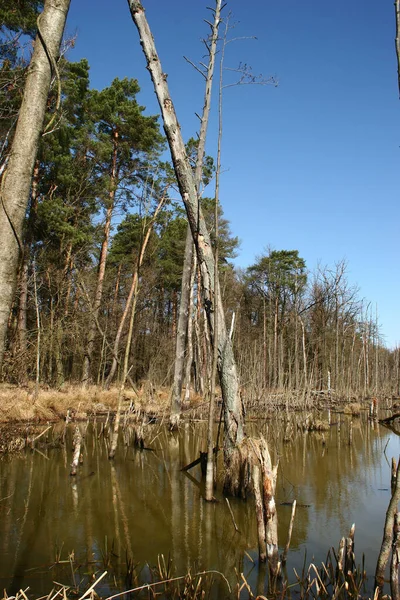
{"x":122,"y":141}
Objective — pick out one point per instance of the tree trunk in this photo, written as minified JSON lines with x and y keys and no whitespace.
{"x":132,"y":292}
{"x":23,"y":298}
{"x":16,"y":181}
{"x":233,"y":418}
{"x":184,"y":308}
{"x":21,"y":325}
{"x":387,"y":536}
{"x":189,"y":353}
{"x":86,"y":375}
{"x":183,"y":319}
{"x":276,"y":342}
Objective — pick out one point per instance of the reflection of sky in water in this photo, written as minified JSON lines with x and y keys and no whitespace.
{"x":144,"y":503}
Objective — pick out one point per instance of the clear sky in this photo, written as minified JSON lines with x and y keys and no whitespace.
{"x":311,"y":165}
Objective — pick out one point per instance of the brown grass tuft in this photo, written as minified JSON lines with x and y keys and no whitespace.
{"x":19,"y":403}
{"x":353,"y":409}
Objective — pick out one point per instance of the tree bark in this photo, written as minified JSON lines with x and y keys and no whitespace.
{"x":184,"y":307}
{"x":233,"y":418}
{"x":16,"y":181}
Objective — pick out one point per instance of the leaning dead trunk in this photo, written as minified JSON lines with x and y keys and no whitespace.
{"x":233,"y":419}
{"x":16,"y":181}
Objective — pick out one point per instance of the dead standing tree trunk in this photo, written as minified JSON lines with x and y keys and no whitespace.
{"x":264,"y":492}
{"x":233,"y":419}
{"x":185,"y":305}
{"x":16,"y":181}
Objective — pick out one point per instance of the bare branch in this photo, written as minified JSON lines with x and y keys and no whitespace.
{"x":195,"y":67}
{"x":243,"y":37}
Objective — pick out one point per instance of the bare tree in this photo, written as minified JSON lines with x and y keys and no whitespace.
{"x":233,"y":418}
{"x":16,"y":180}
{"x":188,"y":267}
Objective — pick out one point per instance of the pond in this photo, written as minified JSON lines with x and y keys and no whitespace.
{"x":122,"y":515}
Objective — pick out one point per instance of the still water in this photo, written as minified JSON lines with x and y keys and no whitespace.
{"x":141,"y":505}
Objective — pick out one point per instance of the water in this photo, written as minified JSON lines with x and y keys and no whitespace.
{"x":142,"y":505}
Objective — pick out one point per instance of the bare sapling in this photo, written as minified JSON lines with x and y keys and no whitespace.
{"x":289,"y":537}
{"x":233,"y":418}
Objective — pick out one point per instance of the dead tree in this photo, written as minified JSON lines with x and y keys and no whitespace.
{"x":233,"y":419}
{"x":184,"y":308}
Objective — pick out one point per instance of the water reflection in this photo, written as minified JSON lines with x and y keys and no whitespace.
{"x":142,"y":505}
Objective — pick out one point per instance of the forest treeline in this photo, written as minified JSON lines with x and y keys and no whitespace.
{"x":102,"y":255}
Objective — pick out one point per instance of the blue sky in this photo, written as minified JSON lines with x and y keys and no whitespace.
{"x":311,"y":165}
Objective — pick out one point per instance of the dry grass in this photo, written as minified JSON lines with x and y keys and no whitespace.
{"x":20,"y":405}
{"x":353,"y":409}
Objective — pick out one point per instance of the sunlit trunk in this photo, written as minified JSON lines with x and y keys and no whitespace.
{"x":16,"y":180}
